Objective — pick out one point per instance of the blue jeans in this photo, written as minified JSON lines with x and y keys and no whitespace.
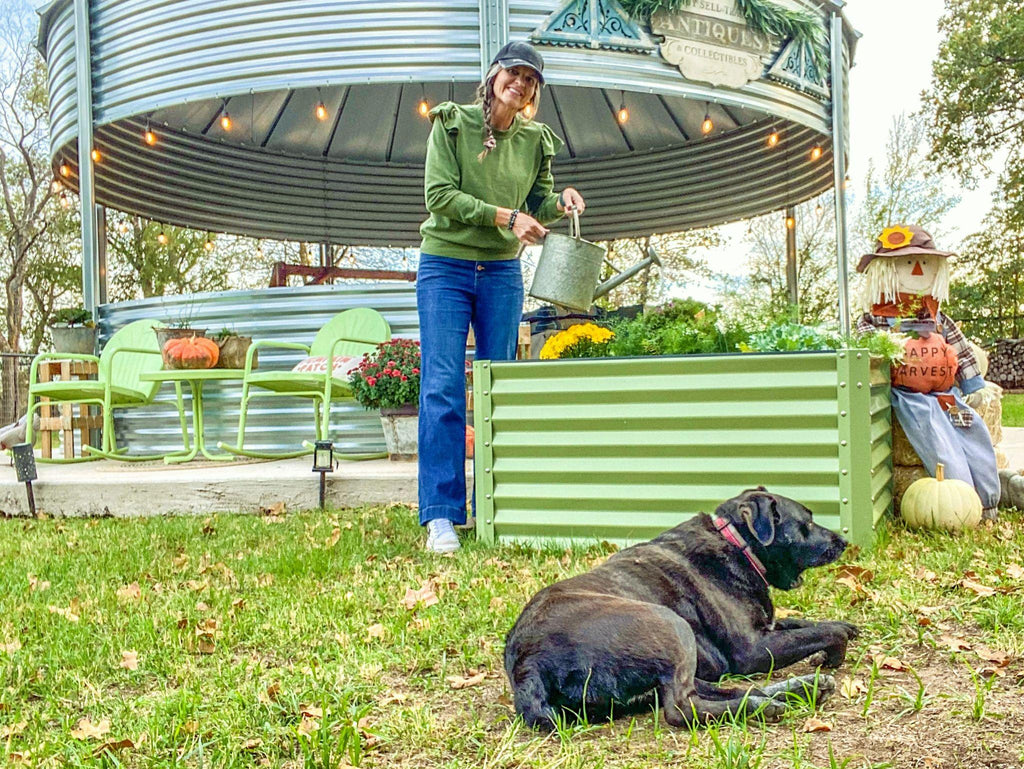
{"x":451,"y":294}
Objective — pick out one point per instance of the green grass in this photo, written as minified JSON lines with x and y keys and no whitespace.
{"x":243,"y":624}
{"x":1013,"y":410}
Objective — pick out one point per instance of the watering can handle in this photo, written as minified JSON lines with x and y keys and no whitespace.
{"x":574,"y":224}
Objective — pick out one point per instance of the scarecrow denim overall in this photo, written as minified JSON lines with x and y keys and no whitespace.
{"x":451,"y":294}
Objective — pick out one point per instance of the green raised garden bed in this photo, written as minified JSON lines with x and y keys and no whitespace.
{"x":620,"y":449}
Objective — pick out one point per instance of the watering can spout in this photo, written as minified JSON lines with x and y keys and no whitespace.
{"x":622,"y":277}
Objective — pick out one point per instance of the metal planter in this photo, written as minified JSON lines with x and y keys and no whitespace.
{"x":620,"y":449}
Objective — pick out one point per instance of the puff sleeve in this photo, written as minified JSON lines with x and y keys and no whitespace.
{"x":542,"y":201}
{"x":442,"y":175}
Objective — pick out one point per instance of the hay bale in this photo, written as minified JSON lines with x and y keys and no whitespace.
{"x":902,"y":477}
{"x":902,"y":452}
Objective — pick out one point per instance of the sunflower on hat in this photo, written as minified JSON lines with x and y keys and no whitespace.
{"x":895,"y":237}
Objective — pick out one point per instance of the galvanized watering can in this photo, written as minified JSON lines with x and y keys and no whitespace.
{"x":569,"y":267}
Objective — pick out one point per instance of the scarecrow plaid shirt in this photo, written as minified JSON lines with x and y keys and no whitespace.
{"x":968,"y":374}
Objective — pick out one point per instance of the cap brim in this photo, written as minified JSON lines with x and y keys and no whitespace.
{"x":506,"y":63}
{"x":905,"y":251}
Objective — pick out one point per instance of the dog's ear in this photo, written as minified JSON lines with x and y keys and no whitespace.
{"x":758,"y":511}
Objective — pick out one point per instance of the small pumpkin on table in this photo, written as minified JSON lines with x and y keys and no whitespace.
{"x":192,"y":352}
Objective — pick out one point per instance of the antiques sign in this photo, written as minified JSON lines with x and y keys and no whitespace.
{"x":709,"y":40}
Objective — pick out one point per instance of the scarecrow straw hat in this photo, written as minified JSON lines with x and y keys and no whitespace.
{"x":902,"y":240}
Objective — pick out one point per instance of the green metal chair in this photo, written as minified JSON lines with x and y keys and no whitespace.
{"x":349,"y":333}
{"x":131,"y":351}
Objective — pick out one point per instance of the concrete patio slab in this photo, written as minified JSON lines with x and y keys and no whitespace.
{"x":152,"y":488}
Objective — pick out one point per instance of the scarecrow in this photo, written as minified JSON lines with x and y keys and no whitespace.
{"x":907,"y":278}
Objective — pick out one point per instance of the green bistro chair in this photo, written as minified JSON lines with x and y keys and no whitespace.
{"x":131,"y":351}
{"x":349,"y":333}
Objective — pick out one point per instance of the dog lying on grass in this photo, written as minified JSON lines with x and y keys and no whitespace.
{"x":663,"y":621}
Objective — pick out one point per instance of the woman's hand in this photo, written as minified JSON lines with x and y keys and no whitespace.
{"x":572,"y":199}
{"x":528,"y":230}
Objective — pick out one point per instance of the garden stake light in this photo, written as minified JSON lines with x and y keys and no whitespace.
{"x":323,"y":463}
{"x":25,"y":467}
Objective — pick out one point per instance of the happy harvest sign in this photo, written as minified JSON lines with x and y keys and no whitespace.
{"x":709,"y":40}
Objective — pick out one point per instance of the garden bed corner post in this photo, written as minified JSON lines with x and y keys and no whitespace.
{"x":856,"y":511}
{"x":483,"y":452}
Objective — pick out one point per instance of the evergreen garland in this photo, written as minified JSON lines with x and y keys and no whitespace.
{"x":762,"y":15}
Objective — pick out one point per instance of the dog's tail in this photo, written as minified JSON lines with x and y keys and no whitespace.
{"x":531,"y":700}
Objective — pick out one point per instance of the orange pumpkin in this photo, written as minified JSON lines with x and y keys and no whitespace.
{"x":930,"y":364}
{"x":191,"y":352}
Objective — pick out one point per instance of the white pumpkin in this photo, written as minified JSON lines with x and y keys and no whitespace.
{"x":941,"y":503}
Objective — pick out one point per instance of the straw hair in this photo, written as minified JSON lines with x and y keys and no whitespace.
{"x":881,"y":282}
{"x":485,"y":98}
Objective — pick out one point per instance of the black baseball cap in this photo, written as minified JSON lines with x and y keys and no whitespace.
{"x":520,"y":53}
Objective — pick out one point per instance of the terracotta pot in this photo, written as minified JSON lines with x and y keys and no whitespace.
{"x":401,"y":428}
{"x":233,"y":350}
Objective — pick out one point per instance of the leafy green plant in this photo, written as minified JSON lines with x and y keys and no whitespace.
{"x":388,"y":377}
{"x":72,"y":316}
{"x":792,"y":337}
{"x":679,"y":327}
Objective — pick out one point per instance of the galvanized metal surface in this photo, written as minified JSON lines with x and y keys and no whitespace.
{"x":283,"y":314}
{"x":356,"y":178}
{"x":622,"y":449}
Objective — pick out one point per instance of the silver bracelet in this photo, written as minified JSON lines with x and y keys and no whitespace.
{"x":512,"y":218}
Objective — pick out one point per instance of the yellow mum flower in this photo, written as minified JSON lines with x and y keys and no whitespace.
{"x":556,"y":344}
{"x":895,"y":237}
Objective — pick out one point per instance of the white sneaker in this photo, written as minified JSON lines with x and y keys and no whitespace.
{"x":441,"y":536}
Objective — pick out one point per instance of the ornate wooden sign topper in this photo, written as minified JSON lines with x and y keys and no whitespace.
{"x":710,"y":41}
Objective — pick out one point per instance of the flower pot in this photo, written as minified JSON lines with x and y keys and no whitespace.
{"x":164,"y":334}
{"x":74,"y":339}
{"x":401,"y":427}
{"x":233,"y":350}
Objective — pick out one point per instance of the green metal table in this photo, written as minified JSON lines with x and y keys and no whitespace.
{"x":195,"y":379}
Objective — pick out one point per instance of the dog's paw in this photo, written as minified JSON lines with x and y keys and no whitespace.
{"x":852,"y":631}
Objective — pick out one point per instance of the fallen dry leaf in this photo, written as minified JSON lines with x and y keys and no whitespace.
{"x":851,"y":687}
{"x":10,"y":646}
{"x":67,"y":614}
{"x":308,"y":726}
{"x":817,"y":725}
{"x":238,"y":603}
{"x":197,"y":585}
{"x":858,"y":573}
{"x":335,"y":536}
{"x":781,"y":612}
{"x":12,"y":730}
{"x":1000,"y":659}
{"x":36,"y":585}
{"x":113,"y":746}
{"x":497,"y":602}
{"x":425,"y":596}
{"x":270,"y":694}
{"x":953,"y":643}
{"x":130,"y":592}
{"x":1015,"y":571}
{"x":130,"y":660}
{"x":977,"y":588}
{"x":458,"y":682}
{"x":311,"y":711}
{"x":252,"y":744}
{"x":180,"y":562}
{"x":375,"y":631}
{"x":277,"y":508}
{"x":926,"y":575}
{"x":202,"y":606}
{"x":87,"y":730}
{"x":208,"y":527}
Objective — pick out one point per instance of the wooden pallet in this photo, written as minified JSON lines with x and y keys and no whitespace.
{"x":59,"y":421}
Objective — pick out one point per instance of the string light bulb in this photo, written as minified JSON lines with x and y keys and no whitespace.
{"x":96,"y":156}
{"x":65,"y":169}
{"x":321,"y":108}
{"x":65,"y":201}
{"x":259,"y":248}
{"x":622,"y":115}
{"x":56,"y":186}
{"x":123,"y":228}
{"x":790,"y":222}
{"x":773,"y":139}
{"x":423,"y":107}
{"x":149,"y":136}
{"x":225,"y":119}
{"x":708,"y":125}
{"x":816,"y":153}
{"x":819,"y":210}
{"x":209,"y":243}
{"x":162,"y":237}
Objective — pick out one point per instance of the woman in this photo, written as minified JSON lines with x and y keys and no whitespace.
{"x":489,"y":190}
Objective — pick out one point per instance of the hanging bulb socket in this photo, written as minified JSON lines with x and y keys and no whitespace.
{"x":225,"y":121}
{"x":708,"y":125}
{"x":623,"y":114}
{"x":819,"y":210}
{"x":96,"y":156}
{"x":321,"y":111}
{"x":65,"y":169}
{"x":816,"y":153}
{"x":208,"y":245}
{"x":773,"y":140}
{"x":162,"y":238}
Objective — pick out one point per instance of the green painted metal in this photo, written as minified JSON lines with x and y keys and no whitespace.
{"x":620,"y":449}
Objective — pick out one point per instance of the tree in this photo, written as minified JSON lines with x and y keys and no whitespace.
{"x":29,"y":203}
{"x":975,"y":101}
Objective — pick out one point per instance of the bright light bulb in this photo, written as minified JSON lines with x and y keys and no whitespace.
{"x":790,"y":222}
{"x":225,"y":121}
{"x":123,"y":227}
{"x":209,"y":245}
{"x":707,"y":126}
{"x":65,"y":169}
{"x":161,"y":238}
{"x":773,"y":139}
{"x":321,"y":111}
{"x":623,"y":114}
{"x":96,"y":156}
{"x":56,"y":186}
{"x":819,"y":210}
{"x":150,"y":137}
{"x":65,"y":202}
{"x":423,"y":108}
{"x":816,"y":153}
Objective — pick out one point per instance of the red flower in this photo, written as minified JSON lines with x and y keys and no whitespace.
{"x":371,"y":380}
{"x":415,"y":371}
{"x":404,"y":378}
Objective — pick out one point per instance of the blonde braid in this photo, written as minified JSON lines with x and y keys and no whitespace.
{"x":485,"y":97}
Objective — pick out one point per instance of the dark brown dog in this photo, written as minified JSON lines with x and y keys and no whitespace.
{"x":668,"y":618}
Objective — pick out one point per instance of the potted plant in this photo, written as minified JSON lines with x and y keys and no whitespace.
{"x":233,"y":349}
{"x":179,"y":328}
{"x":73,"y":330}
{"x":389,"y":379}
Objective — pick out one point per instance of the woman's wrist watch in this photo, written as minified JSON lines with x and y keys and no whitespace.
{"x":512,"y":218}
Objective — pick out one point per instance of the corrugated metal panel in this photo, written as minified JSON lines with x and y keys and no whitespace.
{"x":279,"y":173}
{"x":283,"y":314}
{"x":621,"y":449}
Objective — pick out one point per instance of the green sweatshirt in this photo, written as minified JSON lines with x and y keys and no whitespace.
{"x":463,"y":193}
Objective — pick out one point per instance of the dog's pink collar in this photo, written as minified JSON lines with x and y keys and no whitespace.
{"x":732,"y":536}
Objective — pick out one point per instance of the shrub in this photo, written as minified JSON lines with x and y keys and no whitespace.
{"x":678,"y":327}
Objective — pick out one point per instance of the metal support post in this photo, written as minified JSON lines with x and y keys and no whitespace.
{"x":839,"y":167}
{"x":86,"y":177}
{"x":791,"y":276}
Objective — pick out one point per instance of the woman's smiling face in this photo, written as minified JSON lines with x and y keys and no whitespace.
{"x":514,"y":87}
